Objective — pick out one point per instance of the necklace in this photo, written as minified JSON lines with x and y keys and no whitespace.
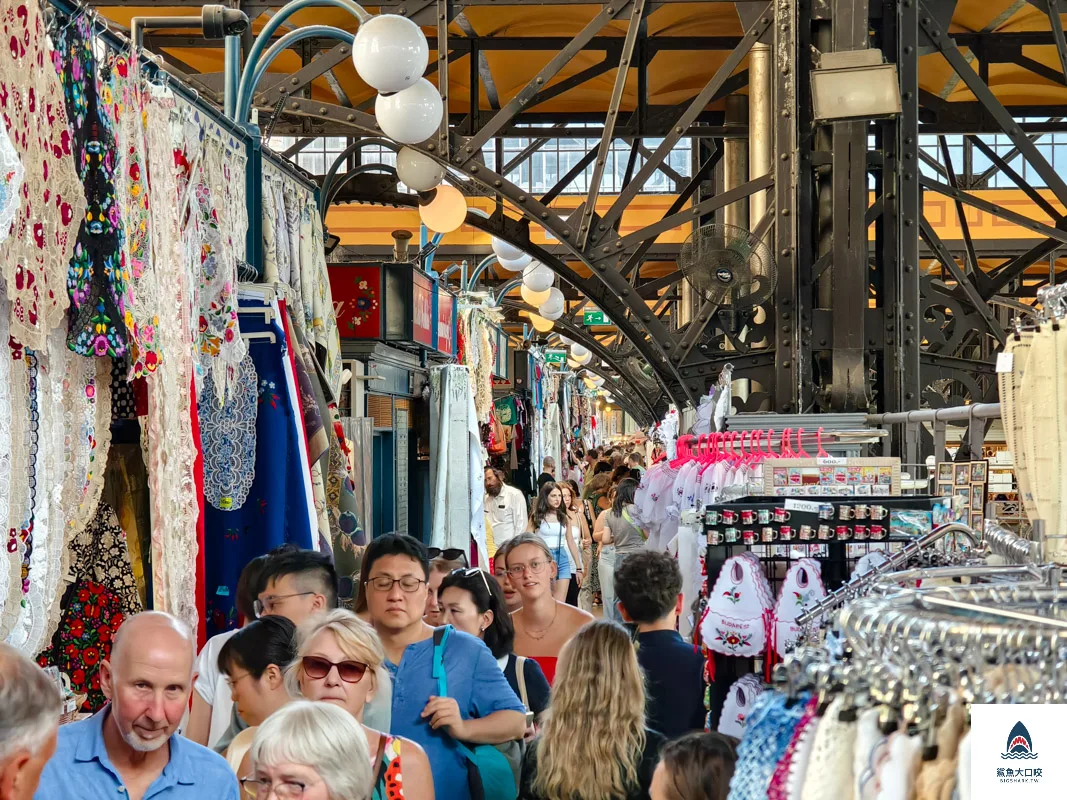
{"x":539,"y":635}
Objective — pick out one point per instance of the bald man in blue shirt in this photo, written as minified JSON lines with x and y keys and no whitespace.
{"x":131,"y":749}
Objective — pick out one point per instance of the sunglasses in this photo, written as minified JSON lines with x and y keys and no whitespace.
{"x":470,"y":572}
{"x":318,"y":668}
{"x":448,"y":554}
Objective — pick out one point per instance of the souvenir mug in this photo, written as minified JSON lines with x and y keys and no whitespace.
{"x":847,"y":512}
{"x":824,"y":532}
{"x":877,"y":512}
{"x":826,"y":511}
{"x":860,"y":532}
{"x":769,"y":534}
{"x":764,"y":516}
{"x":748,"y":537}
{"x":712,"y":517}
{"x":781,"y":515}
{"x":786,"y":533}
{"x":715,"y":536}
{"x":862,"y":512}
{"x":842,"y":532}
{"x":730,"y":535}
{"x":877,"y":532}
{"x":748,"y":517}
{"x":729,"y":516}
{"x":806,"y":533}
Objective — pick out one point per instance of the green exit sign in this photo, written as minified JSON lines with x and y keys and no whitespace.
{"x":595,"y":318}
{"x":557,"y":357}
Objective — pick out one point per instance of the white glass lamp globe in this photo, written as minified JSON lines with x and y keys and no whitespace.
{"x":514,"y":266}
{"x":532,"y":298}
{"x":573,"y":364}
{"x":583,"y":360}
{"x":507,"y":252}
{"x":412,"y":115}
{"x":598,"y":380}
{"x":553,"y":307}
{"x":538,"y":277}
{"x":589,"y":383}
{"x":578,"y":352}
{"x":540,"y":324}
{"x":390,"y":52}
{"x":446,"y":211}
{"x":418,"y":172}
{"x":565,"y":341}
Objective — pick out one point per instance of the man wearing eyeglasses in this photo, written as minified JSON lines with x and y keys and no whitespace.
{"x":480,"y":708}
{"x":297,"y":584}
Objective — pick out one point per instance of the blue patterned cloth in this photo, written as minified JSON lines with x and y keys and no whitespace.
{"x":276,"y":509}
{"x":768,"y":729}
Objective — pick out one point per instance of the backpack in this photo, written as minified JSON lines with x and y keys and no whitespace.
{"x":490,"y":774}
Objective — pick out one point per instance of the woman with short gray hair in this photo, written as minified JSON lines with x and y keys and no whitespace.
{"x":304,"y":751}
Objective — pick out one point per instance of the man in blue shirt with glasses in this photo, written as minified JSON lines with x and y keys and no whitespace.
{"x":131,"y":749}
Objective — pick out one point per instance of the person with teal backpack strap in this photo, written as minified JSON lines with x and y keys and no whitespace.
{"x":490,"y":773}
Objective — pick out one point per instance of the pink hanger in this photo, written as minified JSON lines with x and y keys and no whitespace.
{"x":818,"y":438}
{"x":769,"y":453}
{"x":785,"y":446}
{"x":800,"y":444}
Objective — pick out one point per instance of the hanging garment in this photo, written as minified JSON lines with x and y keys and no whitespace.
{"x":802,"y":587}
{"x":740,"y":700}
{"x":768,"y":732}
{"x":95,"y":604}
{"x":98,"y":281}
{"x":38,"y":250}
{"x":829,"y":771}
{"x":275,"y":511}
{"x":228,"y":437}
{"x":11,"y":177}
{"x":8,"y":574}
{"x":896,"y":775}
{"x":689,"y":546}
{"x":794,"y":761}
{"x":739,"y":609}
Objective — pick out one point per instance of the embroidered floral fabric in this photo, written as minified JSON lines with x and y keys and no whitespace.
{"x":125,"y":102}
{"x":52,"y":199}
{"x":7,"y":560}
{"x":102,"y":595}
{"x":98,"y":281}
{"x":228,"y":438}
{"x":11,"y":177}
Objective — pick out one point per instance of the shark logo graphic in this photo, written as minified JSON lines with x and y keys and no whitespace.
{"x":1019,"y":744}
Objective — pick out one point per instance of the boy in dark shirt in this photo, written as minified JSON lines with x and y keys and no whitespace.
{"x":648,"y":591}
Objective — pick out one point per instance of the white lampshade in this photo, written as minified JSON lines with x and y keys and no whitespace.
{"x":446,"y":211}
{"x":533,"y":298}
{"x":573,"y":364}
{"x":520,"y":263}
{"x":589,"y":383}
{"x":579,"y":352}
{"x":538,"y":277}
{"x":390,"y":52}
{"x":565,"y":341}
{"x":505,"y":251}
{"x":598,"y":380}
{"x":418,"y":172}
{"x":553,"y":307}
{"x":410,"y":116}
{"x":583,"y":360}
{"x":541,"y":325}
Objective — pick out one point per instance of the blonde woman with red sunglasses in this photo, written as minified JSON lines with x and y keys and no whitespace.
{"x":340,"y":660}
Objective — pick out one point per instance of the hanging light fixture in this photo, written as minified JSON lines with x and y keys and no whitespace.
{"x":506,"y":251}
{"x":540,"y":324}
{"x":538,"y":277}
{"x":533,"y":298}
{"x":418,"y":172}
{"x":578,"y":352}
{"x":553,"y":307}
{"x":390,"y":52}
{"x":573,"y":364}
{"x":514,"y":266}
{"x":589,"y":383}
{"x":445,"y":211}
{"x":583,"y":360}
{"x":412,"y":115}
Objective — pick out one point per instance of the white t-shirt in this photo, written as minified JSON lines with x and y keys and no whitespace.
{"x":211,"y":685}
{"x":507,"y":514}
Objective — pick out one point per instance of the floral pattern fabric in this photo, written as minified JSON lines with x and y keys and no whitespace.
{"x":98,"y":280}
{"x":101,"y":597}
{"x":11,"y":177}
{"x":52,"y":197}
{"x":228,"y":438}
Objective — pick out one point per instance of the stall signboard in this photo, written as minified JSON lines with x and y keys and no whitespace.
{"x":422,"y":296}
{"x":502,"y":369}
{"x":595,"y":317}
{"x":357,"y":301}
{"x":446,"y":322}
{"x":556,"y":357}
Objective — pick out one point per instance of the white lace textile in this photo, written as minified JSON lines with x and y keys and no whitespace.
{"x":6,"y":559}
{"x":38,"y":251}
{"x":319,"y":316}
{"x":20,"y":480}
{"x":829,"y":772}
{"x":11,"y":177}
{"x":171,"y":450}
{"x":294,"y":198}
{"x":228,"y":438}
{"x":222,"y":223}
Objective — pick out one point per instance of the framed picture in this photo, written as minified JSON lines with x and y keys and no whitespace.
{"x":963,"y":492}
{"x":976,"y":502}
{"x":979,"y":471}
{"x":976,"y":521}
{"x":963,"y":474}
{"x":945,"y":490}
{"x":944,"y":472}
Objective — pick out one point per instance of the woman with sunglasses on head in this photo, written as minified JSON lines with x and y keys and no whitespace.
{"x":549,"y":521}
{"x":473,"y":602}
{"x":543,"y":624}
{"x":340,"y":660}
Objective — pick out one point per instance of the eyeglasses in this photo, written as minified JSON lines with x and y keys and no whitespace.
{"x":260,"y":790}
{"x":535,"y":567}
{"x":469,"y":573}
{"x":232,"y":681}
{"x":409,"y":583}
{"x":266,"y":605}
{"x":348,"y":671}
{"x":448,"y":554}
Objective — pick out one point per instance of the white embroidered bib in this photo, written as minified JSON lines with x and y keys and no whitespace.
{"x":739,"y":701}
{"x":802,"y":587}
{"x":739,"y":609}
